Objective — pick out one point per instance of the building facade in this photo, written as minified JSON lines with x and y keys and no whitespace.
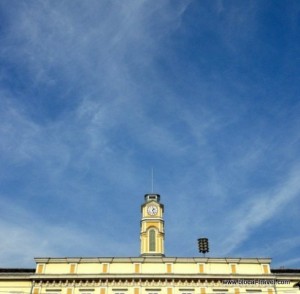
{"x":151,"y":272}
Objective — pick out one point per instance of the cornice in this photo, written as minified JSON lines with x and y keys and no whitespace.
{"x":152,"y":276}
{"x":154,"y":281}
{"x":191,"y":260}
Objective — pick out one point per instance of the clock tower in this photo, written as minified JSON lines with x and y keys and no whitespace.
{"x":152,"y":226}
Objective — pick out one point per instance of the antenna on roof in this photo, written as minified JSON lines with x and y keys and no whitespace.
{"x":152,"y":184}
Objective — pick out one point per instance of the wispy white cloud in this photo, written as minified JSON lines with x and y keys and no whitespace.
{"x":28,"y":235}
{"x":261,"y":208}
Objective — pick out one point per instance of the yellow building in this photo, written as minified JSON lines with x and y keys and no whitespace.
{"x":151,"y":272}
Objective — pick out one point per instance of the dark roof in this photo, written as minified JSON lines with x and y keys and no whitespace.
{"x":17,"y":270}
{"x":285,"y":270}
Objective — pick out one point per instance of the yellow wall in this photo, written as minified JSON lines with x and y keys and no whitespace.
{"x":157,"y":265}
{"x":15,"y":286}
{"x":164,"y":269}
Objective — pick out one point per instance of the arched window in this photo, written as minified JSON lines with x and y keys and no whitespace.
{"x":152,"y":240}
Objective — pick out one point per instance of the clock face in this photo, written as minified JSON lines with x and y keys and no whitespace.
{"x":152,"y":210}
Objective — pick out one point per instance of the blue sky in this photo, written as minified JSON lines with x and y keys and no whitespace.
{"x":94,"y":94}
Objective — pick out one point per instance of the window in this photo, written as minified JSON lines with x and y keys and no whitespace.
{"x":153,"y":291}
{"x":53,"y":291}
{"x":86,"y":291}
{"x":120,"y":291}
{"x":187,"y":291}
{"x":152,"y":240}
{"x":220,"y":291}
